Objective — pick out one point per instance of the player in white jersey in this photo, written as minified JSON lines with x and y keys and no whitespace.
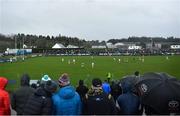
{"x":74,"y":61}
{"x":10,"y":60}
{"x":69,"y":62}
{"x":142,"y":59}
{"x":92,"y":64}
{"x":62,"y":59}
{"x":82,"y":64}
{"x":119,"y":60}
{"x":167,"y":58}
{"x":114,"y":59}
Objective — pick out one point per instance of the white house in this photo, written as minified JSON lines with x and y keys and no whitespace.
{"x":58,"y":45}
{"x":175,"y":46}
{"x":119,"y":44}
{"x":72,"y":46}
{"x":156,"y":45}
{"x":110,"y":45}
{"x":11,"y":51}
{"x":134,"y":47}
{"x":98,"y":47}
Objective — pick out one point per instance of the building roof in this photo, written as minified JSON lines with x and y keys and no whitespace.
{"x":98,"y":46}
{"x":72,"y":46}
{"x":119,"y":44}
{"x":25,"y":46}
{"x":58,"y":45}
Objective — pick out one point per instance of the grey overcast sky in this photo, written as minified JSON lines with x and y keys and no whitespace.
{"x":91,"y":19}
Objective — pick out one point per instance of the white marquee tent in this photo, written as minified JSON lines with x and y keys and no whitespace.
{"x":58,"y":45}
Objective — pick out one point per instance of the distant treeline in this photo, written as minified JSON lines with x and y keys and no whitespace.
{"x":145,"y":39}
{"x":40,"y":41}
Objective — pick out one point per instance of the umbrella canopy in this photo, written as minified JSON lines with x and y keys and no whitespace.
{"x":161,"y":92}
{"x":130,"y":79}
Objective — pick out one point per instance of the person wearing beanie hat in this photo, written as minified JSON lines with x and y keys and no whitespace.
{"x":64,"y":80}
{"x":98,"y":102}
{"x":66,"y":101}
{"x":20,"y":96}
{"x":44,"y":79}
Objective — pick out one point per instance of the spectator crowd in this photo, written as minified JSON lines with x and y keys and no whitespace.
{"x":49,"y":97}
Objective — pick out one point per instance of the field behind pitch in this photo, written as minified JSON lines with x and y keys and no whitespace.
{"x":54,"y":67}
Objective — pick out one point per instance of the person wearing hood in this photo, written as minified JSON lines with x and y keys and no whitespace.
{"x":66,"y":101}
{"x":21,"y":95}
{"x":128,"y":103}
{"x":4,"y":98}
{"x":40,"y":103}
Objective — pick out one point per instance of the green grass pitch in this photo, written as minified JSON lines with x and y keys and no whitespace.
{"x":54,"y":67}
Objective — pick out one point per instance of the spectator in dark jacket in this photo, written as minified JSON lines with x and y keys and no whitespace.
{"x":40,"y":102}
{"x":128,"y":102}
{"x":21,"y":95}
{"x":34,"y":85}
{"x":98,"y":102}
{"x":115,"y":90}
{"x":82,"y":89}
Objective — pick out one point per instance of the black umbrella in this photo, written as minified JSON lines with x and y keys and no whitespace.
{"x":130,"y":79}
{"x":161,"y":92}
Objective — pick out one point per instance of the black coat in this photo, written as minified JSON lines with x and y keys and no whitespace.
{"x":82,"y":90}
{"x":101,"y":104}
{"x":39,"y":103}
{"x":115,"y":90}
{"x":20,"y":97}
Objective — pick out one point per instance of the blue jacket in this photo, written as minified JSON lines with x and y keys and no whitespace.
{"x":129,"y":103}
{"x":106,"y":87}
{"x":66,"y":102}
